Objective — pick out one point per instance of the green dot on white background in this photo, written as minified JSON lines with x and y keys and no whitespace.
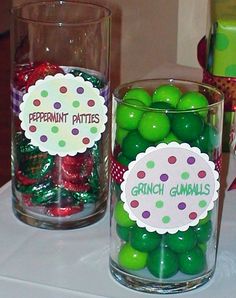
{"x":44,"y":93}
{"x":150,"y":164}
{"x":185,"y":175}
{"x":54,"y":129}
{"x":93,"y":129}
{"x":202,"y":204}
{"x":159,"y":204}
{"x":75,"y":104}
{"x":166,"y":219}
{"x":61,"y":143}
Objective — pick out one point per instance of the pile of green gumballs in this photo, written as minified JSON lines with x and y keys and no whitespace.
{"x":163,"y":255}
{"x":144,"y":120}
{"x":168,"y":115}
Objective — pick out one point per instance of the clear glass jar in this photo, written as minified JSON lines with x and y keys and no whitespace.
{"x":60,"y":103}
{"x":166,"y":155}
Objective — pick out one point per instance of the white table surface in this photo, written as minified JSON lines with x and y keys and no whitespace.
{"x":36,"y":263}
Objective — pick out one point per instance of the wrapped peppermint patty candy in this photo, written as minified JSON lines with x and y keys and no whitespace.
{"x":165,"y":168}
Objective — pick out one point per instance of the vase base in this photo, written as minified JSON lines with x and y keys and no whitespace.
{"x":155,"y":287}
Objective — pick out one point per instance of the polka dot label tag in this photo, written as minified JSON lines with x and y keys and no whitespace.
{"x":170,"y":187}
{"x":63,"y":114}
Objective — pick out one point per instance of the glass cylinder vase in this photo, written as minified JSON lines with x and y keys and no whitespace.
{"x":165,"y":163}
{"x":60,"y":110}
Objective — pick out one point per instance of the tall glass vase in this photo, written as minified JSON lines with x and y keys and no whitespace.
{"x":60,"y":110}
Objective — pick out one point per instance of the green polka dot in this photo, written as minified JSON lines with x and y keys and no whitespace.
{"x":221,"y":42}
{"x":93,"y":129}
{"x":185,"y":175}
{"x":150,"y":164}
{"x":159,"y":204}
{"x":54,"y":129}
{"x":76,"y":104}
{"x":44,"y":93}
{"x":202,"y":204}
{"x":166,"y":219}
{"x":61,"y":143}
{"x":230,"y":70}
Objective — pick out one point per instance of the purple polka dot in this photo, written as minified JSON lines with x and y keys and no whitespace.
{"x":181,"y":205}
{"x":164,"y":177}
{"x":57,"y":105}
{"x":43,"y":138}
{"x":75,"y":131}
{"x":191,"y":160}
{"x":80,"y":90}
{"x":146,"y":214}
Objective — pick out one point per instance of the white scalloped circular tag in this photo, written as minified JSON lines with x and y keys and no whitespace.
{"x":170,"y":187}
{"x":63,"y":114}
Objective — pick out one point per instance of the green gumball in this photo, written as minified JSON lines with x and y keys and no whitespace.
{"x":181,"y":241}
{"x":139,"y":94}
{"x":205,"y":219}
{"x":203,"y":247}
{"x":154,"y":126}
{"x":132,"y":259}
{"x":123,"y":232}
{"x":117,"y":189}
{"x":203,"y":232}
{"x":160,"y":105}
{"x":121,"y":133}
{"x":171,"y":137}
{"x":129,"y":113}
{"x":192,"y":261}
{"x":162,"y":262}
{"x":165,"y":107}
{"x":187,"y":126}
{"x":121,"y":216}
{"x":143,"y":240}
{"x":193,"y":100}
{"x":208,"y":140}
{"x":134,"y":144}
{"x":167,"y":93}
{"x":122,"y":159}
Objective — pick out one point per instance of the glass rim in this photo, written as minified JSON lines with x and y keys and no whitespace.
{"x":118,"y":99}
{"x":96,"y":20}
